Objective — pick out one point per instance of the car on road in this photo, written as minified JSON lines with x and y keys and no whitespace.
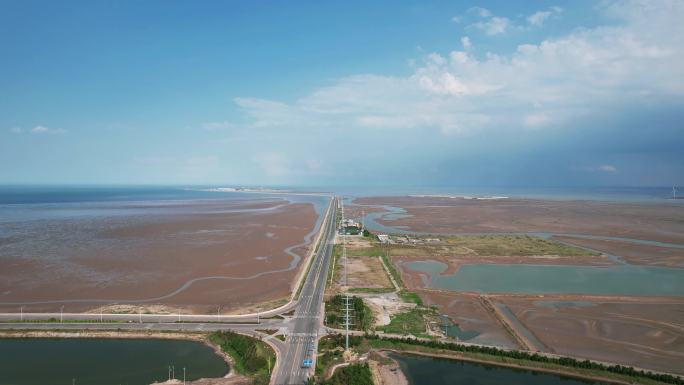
{"x":307,"y":363}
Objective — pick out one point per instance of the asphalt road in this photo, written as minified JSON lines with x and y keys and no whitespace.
{"x":302,"y":341}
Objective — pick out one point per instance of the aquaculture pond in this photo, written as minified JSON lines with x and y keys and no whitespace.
{"x":548,"y":279}
{"x":40,"y":361}
{"x":437,"y":371}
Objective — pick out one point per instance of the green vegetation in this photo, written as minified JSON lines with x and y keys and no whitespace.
{"x":330,"y":349}
{"x":357,"y":374}
{"x":492,"y":245}
{"x":336,"y":252}
{"x":362,"y":317}
{"x":522,"y":358}
{"x":351,"y":230}
{"x":410,"y":296}
{"x":364,"y":252}
{"x":251,"y":356}
{"x":412,"y":322}
{"x":393,"y":271}
{"x":267,"y":331}
{"x":371,"y":290}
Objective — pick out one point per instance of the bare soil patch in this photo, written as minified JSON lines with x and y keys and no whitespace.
{"x":467,"y":310}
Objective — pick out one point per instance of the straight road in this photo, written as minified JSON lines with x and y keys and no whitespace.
{"x":302,"y":341}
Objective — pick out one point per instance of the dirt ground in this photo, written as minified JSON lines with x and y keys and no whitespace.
{"x":468,"y":312}
{"x":384,"y":306}
{"x":366,"y":272}
{"x":658,"y":222}
{"x":647,"y":333}
{"x":635,"y":254}
{"x":203,"y":255}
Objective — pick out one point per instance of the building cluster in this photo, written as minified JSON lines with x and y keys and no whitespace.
{"x":351,"y":227}
{"x":406,"y":240}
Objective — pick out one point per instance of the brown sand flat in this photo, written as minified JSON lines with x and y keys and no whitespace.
{"x":658,"y":222}
{"x":636,"y":254}
{"x":466,"y":310}
{"x":644,"y":334}
{"x":365,"y":272}
{"x":140,"y":258}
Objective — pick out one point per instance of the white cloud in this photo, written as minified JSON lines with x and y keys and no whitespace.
{"x":538,"y":18}
{"x":607,"y":168}
{"x":482,"y":12}
{"x":493,"y":26}
{"x":465,"y":42}
{"x":534,"y":121}
{"x":272,"y":164}
{"x":39,"y":129}
{"x":215,"y":126}
{"x":635,"y":59}
{"x":603,"y":168}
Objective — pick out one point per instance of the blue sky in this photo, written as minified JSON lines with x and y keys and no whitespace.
{"x":544,"y":93}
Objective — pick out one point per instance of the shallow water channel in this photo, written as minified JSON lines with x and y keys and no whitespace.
{"x":439,"y":371}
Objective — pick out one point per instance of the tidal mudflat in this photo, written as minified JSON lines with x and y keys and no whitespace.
{"x":660,"y":222}
{"x":643,"y":332}
{"x":192,"y":254}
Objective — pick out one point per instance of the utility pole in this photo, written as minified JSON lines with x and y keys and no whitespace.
{"x":346,"y":292}
{"x":61,"y":314}
{"x":22,"y":314}
{"x":218,"y":313}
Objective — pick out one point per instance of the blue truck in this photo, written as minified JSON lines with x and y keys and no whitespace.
{"x":307,"y":363}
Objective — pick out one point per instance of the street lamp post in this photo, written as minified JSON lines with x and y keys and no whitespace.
{"x":61,"y":314}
